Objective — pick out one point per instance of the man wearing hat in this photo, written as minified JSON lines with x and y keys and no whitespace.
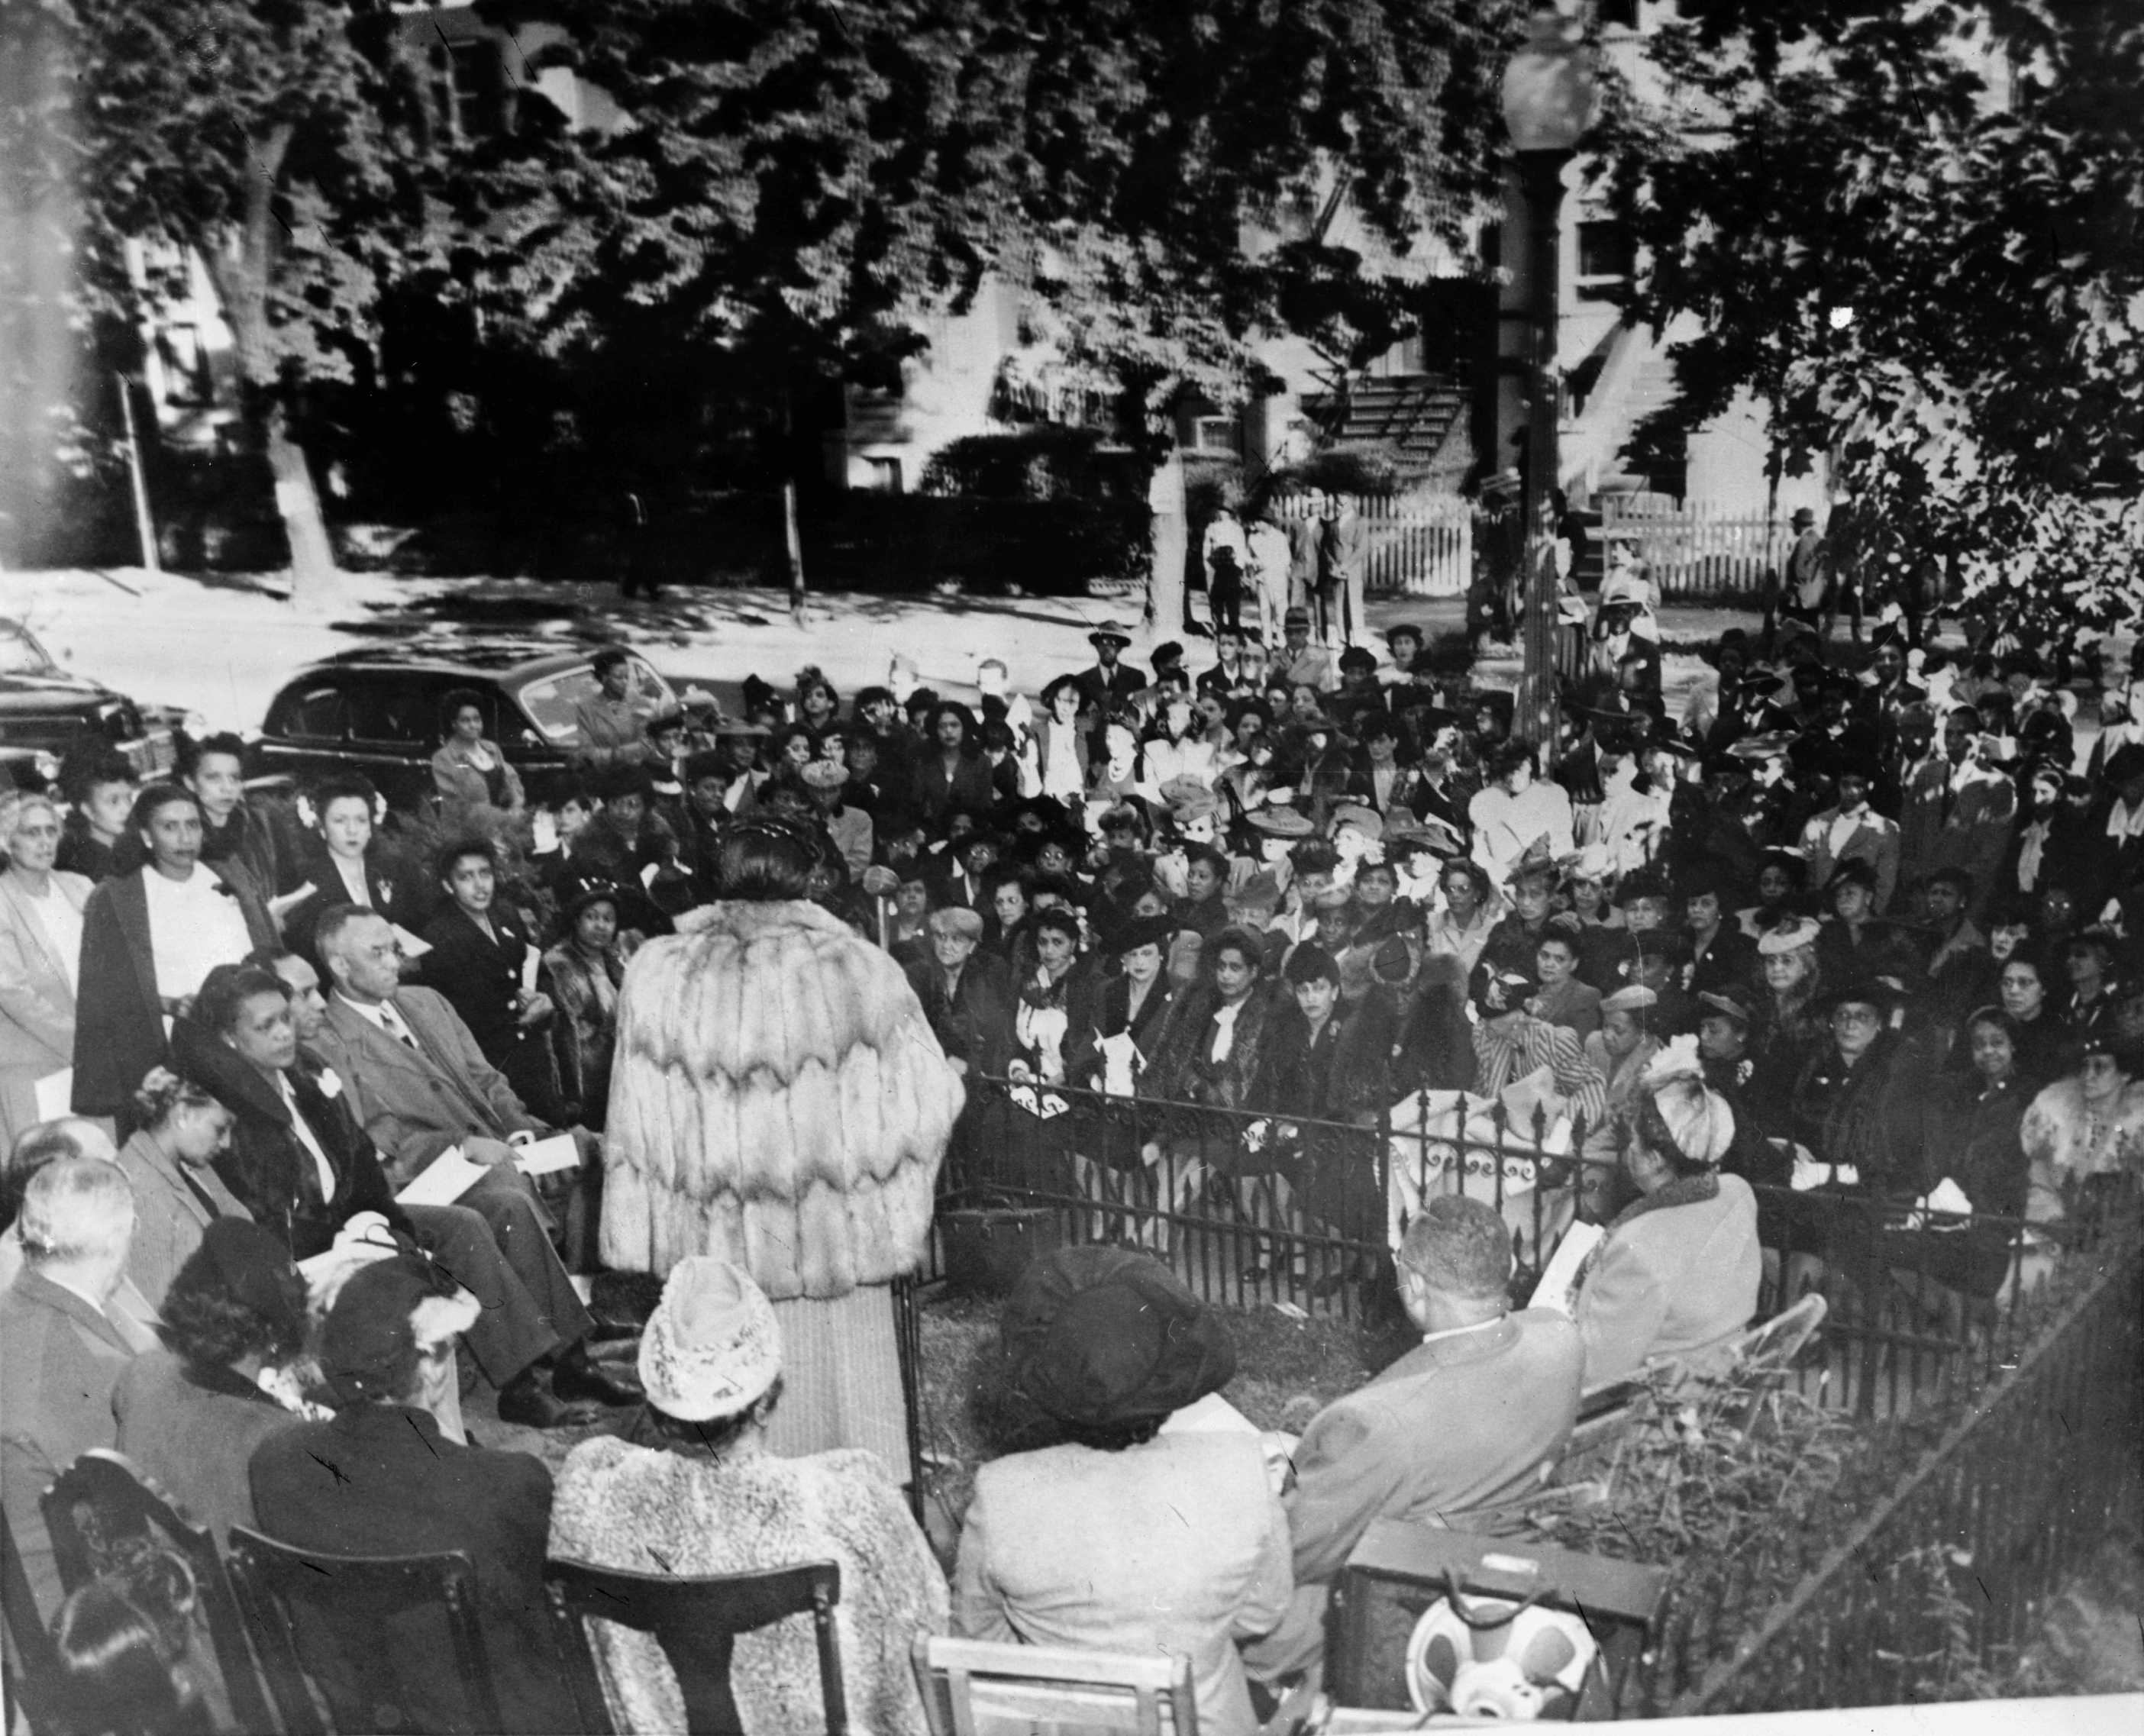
{"x":1129,"y":1536}
{"x":1342,"y":545}
{"x":1110,"y":685}
{"x":1850,"y":831}
{"x":1959,"y":810}
{"x":1300,"y":663}
{"x":849,"y":827}
{"x":384,"y":1477}
{"x":1270,"y":558}
{"x":696,"y":1491}
{"x":1798,"y":590}
{"x":1463,"y":1425}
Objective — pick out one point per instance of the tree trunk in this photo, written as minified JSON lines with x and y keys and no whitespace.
{"x":240,"y":267}
{"x":1170,"y":544}
{"x":792,"y":536}
{"x":298,"y":503}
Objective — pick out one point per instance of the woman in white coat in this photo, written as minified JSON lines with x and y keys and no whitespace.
{"x":40,"y":964}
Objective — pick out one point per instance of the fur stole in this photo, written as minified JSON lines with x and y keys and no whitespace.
{"x":777,"y":1100}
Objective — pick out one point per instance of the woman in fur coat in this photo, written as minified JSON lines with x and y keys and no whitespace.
{"x":777,"y":1100}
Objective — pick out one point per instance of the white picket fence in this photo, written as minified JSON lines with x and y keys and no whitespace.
{"x":1419,"y":546}
{"x":1699,"y":549}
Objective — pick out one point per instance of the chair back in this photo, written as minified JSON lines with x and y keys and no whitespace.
{"x":339,"y":1608}
{"x":986,"y":1688}
{"x":101,"y":1508}
{"x":695,"y":1621}
{"x":33,"y":1669}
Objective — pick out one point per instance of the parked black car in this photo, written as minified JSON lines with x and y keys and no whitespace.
{"x":45,"y":712}
{"x":359,"y":711}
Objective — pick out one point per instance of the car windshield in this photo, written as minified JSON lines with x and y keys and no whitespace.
{"x":552,"y":700}
{"x":20,"y":654}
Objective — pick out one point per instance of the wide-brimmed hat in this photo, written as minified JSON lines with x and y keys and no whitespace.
{"x":1097,"y":1336}
{"x":1282,"y":822}
{"x":1360,"y":816}
{"x":1295,"y":617}
{"x":1772,"y":745}
{"x":712,"y":1346}
{"x":1637,"y":998}
{"x":1803,"y":515}
{"x":824,"y":775}
{"x":240,"y":1261}
{"x":1787,"y":937}
{"x":1109,"y":633}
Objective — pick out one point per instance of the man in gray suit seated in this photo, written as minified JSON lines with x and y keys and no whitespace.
{"x":1465,"y":1425}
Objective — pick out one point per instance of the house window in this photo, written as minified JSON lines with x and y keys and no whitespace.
{"x":1604,"y":256}
{"x":1215,"y":434}
{"x":471,"y":88}
{"x":881,"y":475}
{"x":1619,"y":14}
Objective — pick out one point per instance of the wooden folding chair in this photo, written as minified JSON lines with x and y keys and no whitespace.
{"x":339,"y":1607}
{"x":985,"y":1688}
{"x":99,"y":1505}
{"x":695,"y":1621}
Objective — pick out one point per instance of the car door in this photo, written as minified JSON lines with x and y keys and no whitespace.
{"x":306,"y":732}
{"x":393,"y":730}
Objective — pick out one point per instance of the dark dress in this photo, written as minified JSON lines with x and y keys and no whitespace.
{"x":481,"y":976}
{"x":1971,"y":1134}
{"x":381,"y":1480}
{"x":1331,"y":1088}
{"x":1110,"y":1133}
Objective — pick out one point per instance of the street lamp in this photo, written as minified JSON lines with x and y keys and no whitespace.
{"x":1550,"y":96}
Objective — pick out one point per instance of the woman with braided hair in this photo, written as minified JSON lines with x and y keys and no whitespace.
{"x":777,"y":1100}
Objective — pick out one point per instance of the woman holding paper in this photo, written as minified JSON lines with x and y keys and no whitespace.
{"x":41,"y":909}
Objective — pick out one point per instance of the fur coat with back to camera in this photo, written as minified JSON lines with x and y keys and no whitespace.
{"x":777,"y":1100}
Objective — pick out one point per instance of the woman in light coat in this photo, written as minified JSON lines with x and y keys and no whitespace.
{"x":40,"y":921}
{"x":470,"y":772}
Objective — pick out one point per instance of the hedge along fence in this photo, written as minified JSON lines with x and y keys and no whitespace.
{"x":1819,"y":1562}
{"x":1414,"y":545}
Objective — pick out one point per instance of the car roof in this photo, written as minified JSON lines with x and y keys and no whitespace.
{"x":500,"y":662}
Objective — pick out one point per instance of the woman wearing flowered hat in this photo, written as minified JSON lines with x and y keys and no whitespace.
{"x":697,"y":1490}
{"x":1680,"y":1266}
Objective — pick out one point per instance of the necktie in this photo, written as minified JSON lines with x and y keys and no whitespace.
{"x":392,"y":1022}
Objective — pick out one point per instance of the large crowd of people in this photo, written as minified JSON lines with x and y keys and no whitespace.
{"x":1827,"y":964}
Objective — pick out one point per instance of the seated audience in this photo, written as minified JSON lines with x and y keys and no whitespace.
{"x":417,"y":1079}
{"x":306,"y":1170}
{"x":586,"y":966}
{"x":697,"y":1489}
{"x":383,"y":1476}
{"x":1468,"y":1423}
{"x":1122,"y":1537}
{"x":190,"y":1414}
{"x":1678,"y":1266}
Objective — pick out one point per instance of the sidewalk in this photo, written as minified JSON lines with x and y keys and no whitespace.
{"x":222,"y":646}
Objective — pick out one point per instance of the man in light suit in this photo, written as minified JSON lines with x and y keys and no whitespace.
{"x":1850,"y":831}
{"x":64,"y":1342}
{"x":1469,"y":1423}
{"x":419,"y":1085}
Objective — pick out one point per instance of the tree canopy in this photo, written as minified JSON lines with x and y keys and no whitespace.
{"x":1918,"y":234}
{"x":812,"y":174}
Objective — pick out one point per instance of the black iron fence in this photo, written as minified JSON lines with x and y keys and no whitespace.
{"x":1933,"y":1592}
{"x":1252,"y":1207}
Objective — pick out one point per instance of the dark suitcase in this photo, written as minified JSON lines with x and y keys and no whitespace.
{"x":987,"y":1247}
